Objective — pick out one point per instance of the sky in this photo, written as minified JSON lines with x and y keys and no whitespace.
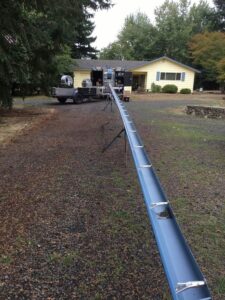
{"x":110,"y":22}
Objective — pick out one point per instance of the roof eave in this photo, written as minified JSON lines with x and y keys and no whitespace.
{"x":145,"y":63}
{"x":178,"y":63}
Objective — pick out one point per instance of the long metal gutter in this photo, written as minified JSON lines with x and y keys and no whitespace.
{"x":183,"y":274}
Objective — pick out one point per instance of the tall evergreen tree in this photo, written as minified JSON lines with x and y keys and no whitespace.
{"x":34,"y":34}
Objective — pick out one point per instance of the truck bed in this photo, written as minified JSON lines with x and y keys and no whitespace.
{"x":62,"y":92}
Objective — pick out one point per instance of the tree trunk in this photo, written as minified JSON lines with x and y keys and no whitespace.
{"x":6,"y":100}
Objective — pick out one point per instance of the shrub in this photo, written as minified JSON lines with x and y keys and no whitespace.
{"x":156,"y":88}
{"x":170,"y":88}
{"x":185,"y":91}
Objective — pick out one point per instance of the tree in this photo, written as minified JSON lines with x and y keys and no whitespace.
{"x":34,"y":34}
{"x":113,"y":51}
{"x":137,"y":38}
{"x":208,"y":51}
{"x":200,"y":18}
{"x":176,"y":23}
{"x":135,"y":41}
{"x":14,"y":49}
{"x":219,"y":15}
{"x":221,"y":71}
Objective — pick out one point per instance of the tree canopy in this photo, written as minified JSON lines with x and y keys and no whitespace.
{"x":37,"y":36}
{"x":208,"y":48}
{"x":112,"y":51}
{"x":135,"y":40}
{"x":208,"y":51}
{"x":136,"y":37}
{"x":219,"y":15}
{"x":175,"y":24}
{"x":38,"y":39}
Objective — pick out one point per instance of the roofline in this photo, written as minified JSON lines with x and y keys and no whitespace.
{"x":171,"y":60}
{"x":74,"y":70}
{"x":145,"y":63}
{"x":77,"y":68}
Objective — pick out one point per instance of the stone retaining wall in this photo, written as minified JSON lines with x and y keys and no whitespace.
{"x":206,"y":111}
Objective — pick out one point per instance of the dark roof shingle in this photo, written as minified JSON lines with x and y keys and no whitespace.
{"x":88,"y":64}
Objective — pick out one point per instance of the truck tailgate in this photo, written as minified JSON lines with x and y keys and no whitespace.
{"x":62,"y":92}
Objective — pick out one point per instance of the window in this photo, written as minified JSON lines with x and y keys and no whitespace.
{"x":163,"y":76}
{"x":170,"y":76}
{"x":178,"y":76}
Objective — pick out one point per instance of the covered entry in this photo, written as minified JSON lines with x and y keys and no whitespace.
{"x":139,"y":81}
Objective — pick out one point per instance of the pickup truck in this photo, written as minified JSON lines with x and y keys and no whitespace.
{"x":95,"y":88}
{"x":78,"y":95}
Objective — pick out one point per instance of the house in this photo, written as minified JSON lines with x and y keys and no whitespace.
{"x":160,"y":71}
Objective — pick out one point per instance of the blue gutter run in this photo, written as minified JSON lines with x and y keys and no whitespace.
{"x":183,"y":274}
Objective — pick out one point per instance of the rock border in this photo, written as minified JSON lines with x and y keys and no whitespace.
{"x":214,"y":112}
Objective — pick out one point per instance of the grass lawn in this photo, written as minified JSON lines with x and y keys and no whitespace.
{"x":189,"y":158}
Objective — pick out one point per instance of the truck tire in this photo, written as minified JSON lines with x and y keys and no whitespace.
{"x":78,"y":99}
{"x":62,"y":100}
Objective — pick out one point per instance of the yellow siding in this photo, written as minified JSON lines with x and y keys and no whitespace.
{"x":79,"y":76}
{"x":127,"y":89}
{"x":168,"y":67}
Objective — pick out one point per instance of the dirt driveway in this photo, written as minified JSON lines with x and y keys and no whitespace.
{"x":73,"y":222}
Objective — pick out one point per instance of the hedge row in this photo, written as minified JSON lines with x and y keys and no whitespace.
{"x":168,"y":88}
